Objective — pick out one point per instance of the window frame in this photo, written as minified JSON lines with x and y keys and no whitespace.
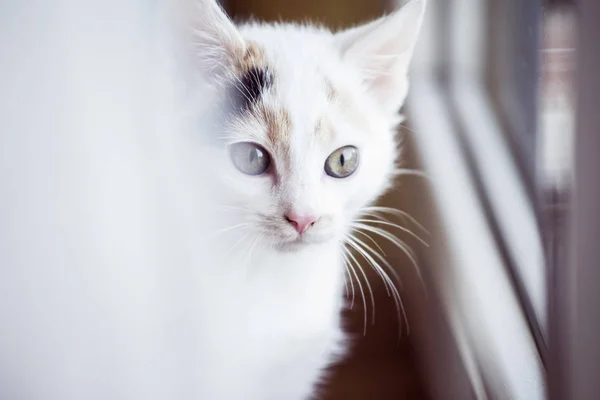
{"x":489,"y":130}
{"x":575,"y":321}
{"x":500,"y":347}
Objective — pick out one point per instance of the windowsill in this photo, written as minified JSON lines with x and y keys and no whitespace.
{"x":467,"y":270}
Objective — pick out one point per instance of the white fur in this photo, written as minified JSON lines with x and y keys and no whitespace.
{"x":271,"y":304}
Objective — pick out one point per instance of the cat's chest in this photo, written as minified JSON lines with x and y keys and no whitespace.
{"x":281,"y":297}
{"x":274,"y":316}
{"x":293,"y":289}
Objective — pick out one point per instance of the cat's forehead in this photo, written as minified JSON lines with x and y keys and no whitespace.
{"x":293,"y":51}
{"x":288,"y":87}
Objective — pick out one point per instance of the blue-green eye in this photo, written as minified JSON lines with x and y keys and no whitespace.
{"x":342,"y":162}
{"x":249,"y":158}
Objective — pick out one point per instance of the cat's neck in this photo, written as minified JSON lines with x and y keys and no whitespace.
{"x":315,"y":270}
{"x":302,"y":263}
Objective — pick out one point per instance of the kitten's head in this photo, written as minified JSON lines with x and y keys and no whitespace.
{"x":308,"y":136}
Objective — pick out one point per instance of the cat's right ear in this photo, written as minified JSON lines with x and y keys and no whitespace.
{"x":212,"y":42}
{"x":382,"y":51}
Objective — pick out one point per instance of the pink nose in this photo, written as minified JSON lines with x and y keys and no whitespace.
{"x":300,"y":222}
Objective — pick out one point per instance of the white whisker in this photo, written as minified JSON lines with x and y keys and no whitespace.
{"x":230,"y":228}
{"x":346,"y":281}
{"x":379,"y":256}
{"x":411,"y":233}
{"x":236,"y":208}
{"x":352,"y":242}
{"x":362,"y":247}
{"x":252,"y":246}
{"x":408,"y":129}
{"x":362,"y":272}
{"x":249,"y":246}
{"x":399,"y":243}
{"x":237,"y":243}
{"x":361,"y":291}
{"x":398,"y":213}
{"x":410,"y":172}
{"x":372,"y":240}
{"x":239,"y":226}
{"x":346,"y":262}
{"x":385,"y":234}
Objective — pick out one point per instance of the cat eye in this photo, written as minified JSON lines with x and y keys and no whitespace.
{"x":249,"y":158}
{"x":342,"y":162}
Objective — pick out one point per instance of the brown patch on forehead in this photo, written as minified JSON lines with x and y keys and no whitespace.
{"x":254,"y":57}
{"x":278,"y":124}
{"x":252,"y":77}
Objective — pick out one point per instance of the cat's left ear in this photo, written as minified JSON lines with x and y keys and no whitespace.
{"x":212,"y":41}
{"x":382,"y":51}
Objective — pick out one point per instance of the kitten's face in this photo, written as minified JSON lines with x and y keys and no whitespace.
{"x":308,"y":136}
{"x":304,"y":151}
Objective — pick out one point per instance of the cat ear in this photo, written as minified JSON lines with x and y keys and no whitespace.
{"x":382,"y":50}
{"x":214,"y":41}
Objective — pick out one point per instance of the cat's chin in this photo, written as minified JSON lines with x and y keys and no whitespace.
{"x":301,"y":243}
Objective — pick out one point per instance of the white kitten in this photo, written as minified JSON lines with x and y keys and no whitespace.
{"x":302,"y":139}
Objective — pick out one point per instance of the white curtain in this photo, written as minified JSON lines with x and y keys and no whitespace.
{"x":97,"y":210}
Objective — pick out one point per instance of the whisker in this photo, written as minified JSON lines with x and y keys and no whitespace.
{"x":379,"y":256}
{"x":385,"y":234}
{"x":350,"y":276}
{"x":385,"y":277}
{"x":357,"y":244}
{"x":372,"y":240}
{"x":349,"y":241}
{"x":242,"y":88}
{"x":386,"y":223}
{"x":225,"y":230}
{"x":237,"y":243}
{"x":230,"y":228}
{"x":399,"y":243}
{"x":407,"y":128}
{"x":248,"y":247}
{"x":361,"y":290}
{"x":410,"y":172}
{"x":399,"y":213}
{"x":252,"y":246}
{"x":346,"y":282}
